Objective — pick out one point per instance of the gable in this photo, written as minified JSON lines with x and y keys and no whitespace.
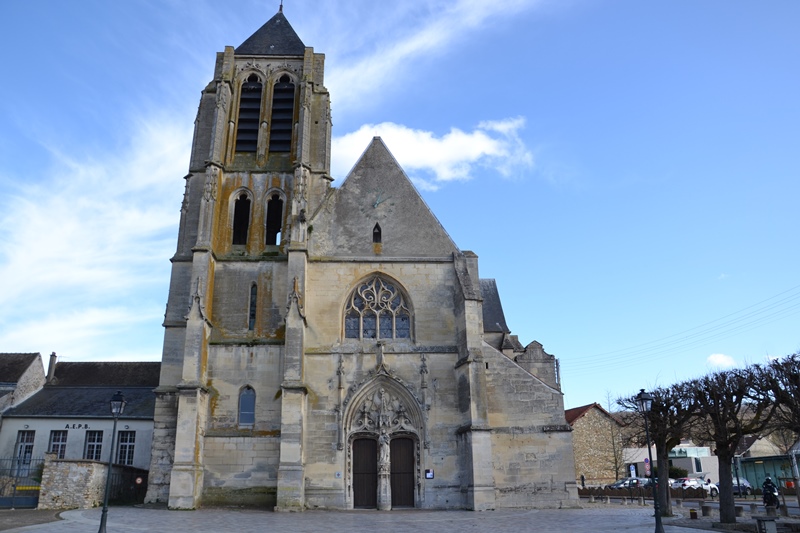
{"x":377,"y":191}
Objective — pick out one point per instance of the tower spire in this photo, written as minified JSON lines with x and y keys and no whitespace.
{"x":280,"y":8}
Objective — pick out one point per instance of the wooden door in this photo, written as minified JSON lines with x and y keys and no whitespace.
{"x":365,"y":473}
{"x":403,"y":467}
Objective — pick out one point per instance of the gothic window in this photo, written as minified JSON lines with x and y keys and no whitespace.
{"x":377,"y":309}
{"x":249,"y":115}
{"x":274,"y":219}
{"x":127,"y":442}
{"x":247,"y":406}
{"x":376,"y":234}
{"x":241,"y":219}
{"x":58,"y":443}
{"x":251,"y":319}
{"x":280,"y":132}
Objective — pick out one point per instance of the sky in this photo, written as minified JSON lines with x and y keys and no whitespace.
{"x":627,"y":171}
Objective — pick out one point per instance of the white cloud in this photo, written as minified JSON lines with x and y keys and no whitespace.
{"x":719,"y":360}
{"x":85,"y":248}
{"x":427,"y":33}
{"x":431,"y":160}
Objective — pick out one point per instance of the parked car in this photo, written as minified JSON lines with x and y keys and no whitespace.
{"x":744,"y":488}
{"x":628,"y":482}
{"x":695,"y":483}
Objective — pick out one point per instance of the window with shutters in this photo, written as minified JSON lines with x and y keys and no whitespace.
{"x":282,"y":116}
{"x":249,"y":115}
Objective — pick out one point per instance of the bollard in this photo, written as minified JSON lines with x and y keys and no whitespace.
{"x":591,"y":498}
{"x":693,"y":513}
{"x":784,"y":510}
{"x":624,"y":501}
{"x":706,"y":510}
{"x":753,"y":508}
{"x":771,"y":511}
{"x":739,"y":510}
{"x":608,"y":499}
{"x":678,"y":502}
{"x":641,"y":501}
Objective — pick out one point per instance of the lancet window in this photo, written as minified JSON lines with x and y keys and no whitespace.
{"x":282,"y":119}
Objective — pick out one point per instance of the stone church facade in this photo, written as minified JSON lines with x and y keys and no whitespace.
{"x":332,"y":347}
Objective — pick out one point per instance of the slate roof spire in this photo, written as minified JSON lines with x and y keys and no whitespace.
{"x":275,"y":38}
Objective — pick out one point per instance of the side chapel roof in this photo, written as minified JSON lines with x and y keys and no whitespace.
{"x":275,"y":38}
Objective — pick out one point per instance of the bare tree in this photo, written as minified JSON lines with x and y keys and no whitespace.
{"x":669,"y":418}
{"x":732,"y":404}
{"x":615,"y":439}
{"x":784,"y":384}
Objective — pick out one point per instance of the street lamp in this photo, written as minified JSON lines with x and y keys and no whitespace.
{"x":645,"y":402}
{"x":117,"y":406}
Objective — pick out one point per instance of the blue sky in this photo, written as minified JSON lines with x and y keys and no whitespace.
{"x":627,"y":171}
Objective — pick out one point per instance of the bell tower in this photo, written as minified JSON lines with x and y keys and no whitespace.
{"x":259,"y":166}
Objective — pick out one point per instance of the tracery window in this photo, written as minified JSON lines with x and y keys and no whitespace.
{"x":377,"y":309}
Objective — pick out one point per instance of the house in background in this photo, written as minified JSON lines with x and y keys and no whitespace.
{"x":70,"y":416}
{"x":21,"y":375}
{"x":598,"y":440}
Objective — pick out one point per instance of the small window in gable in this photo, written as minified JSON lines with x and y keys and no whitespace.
{"x":247,"y":407}
{"x":251,"y":319}
{"x":377,"y":309}
{"x":376,"y":234}
{"x":274,"y":220}
{"x":282,"y":118}
{"x":249,"y":115}
{"x":241,"y":219}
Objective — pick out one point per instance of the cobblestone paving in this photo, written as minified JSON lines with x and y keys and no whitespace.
{"x":605,"y":519}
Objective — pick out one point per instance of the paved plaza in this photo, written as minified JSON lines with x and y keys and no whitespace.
{"x":598,"y":519}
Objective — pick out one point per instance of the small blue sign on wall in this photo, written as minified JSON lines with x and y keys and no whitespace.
{"x":429,"y":473}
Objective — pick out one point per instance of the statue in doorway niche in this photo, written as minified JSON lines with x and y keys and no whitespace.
{"x":383,"y":453}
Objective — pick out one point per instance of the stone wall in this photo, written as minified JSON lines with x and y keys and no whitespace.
{"x":594,"y":453}
{"x":71,"y":484}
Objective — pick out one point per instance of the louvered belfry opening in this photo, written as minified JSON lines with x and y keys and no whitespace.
{"x":280,"y":132}
{"x":249,"y":115}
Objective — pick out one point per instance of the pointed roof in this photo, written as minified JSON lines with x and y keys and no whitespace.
{"x":576,"y":413}
{"x":494,"y":319}
{"x":378,"y":193}
{"x":275,"y":38}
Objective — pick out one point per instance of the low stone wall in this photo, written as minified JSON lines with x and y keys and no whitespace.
{"x":71,"y":484}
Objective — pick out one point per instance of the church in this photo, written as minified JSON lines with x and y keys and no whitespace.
{"x":332,"y":347}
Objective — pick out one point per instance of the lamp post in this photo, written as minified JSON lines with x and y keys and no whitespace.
{"x":645,"y":402}
{"x":117,"y":407}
